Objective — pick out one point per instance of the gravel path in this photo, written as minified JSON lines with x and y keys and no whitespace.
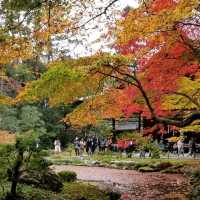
{"x":132,"y":184}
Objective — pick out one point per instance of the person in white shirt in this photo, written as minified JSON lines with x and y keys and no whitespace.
{"x":57,"y":145}
{"x":180,"y":147}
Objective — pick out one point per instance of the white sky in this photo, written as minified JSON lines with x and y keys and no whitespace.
{"x":90,"y":45}
{"x":132,"y":3}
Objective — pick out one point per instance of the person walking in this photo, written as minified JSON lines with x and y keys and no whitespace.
{"x":57,"y":145}
{"x":77,"y":146}
{"x":94,"y":144}
{"x":82,"y":146}
{"x":180,"y":147}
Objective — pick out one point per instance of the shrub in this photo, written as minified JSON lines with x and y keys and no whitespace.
{"x":163,"y":165}
{"x":67,"y":176}
{"x":195,"y":176}
{"x":139,"y":165}
{"x":146,"y":169}
{"x":171,"y":171}
{"x":195,"y":181}
{"x":46,"y":180}
{"x":155,"y":153}
{"x":44,"y":153}
{"x":195,"y":194}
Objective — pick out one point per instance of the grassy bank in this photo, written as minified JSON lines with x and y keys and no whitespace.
{"x":70,"y":191}
{"x":116,"y":160}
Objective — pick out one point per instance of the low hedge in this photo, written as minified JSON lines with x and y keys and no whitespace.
{"x":67,"y":176}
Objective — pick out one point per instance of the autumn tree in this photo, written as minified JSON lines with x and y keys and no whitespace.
{"x":155,"y":71}
{"x":163,"y":39}
{"x":164,"y":72}
{"x":38,"y":28}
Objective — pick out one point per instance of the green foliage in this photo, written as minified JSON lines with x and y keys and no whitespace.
{"x":31,"y":119}
{"x":8,"y":118}
{"x":154,"y":149}
{"x":67,"y":176}
{"x":163,"y":165}
{"x":103,"y":129}
{"x":23,"y":74}
{"x":146,"y":169}
{"x":195,"y":176}
{"x":23,"y":163}
{"x":58,"y":78}
{"x":195,"y":181}
{"x":46,"y":122}
{"x":71,"y":191}
{"x":140,"y":165}
{"x":21,"y":5}
{"x":27,"y":71}
{"x":74,"y":191}
{"x":21,"y":119}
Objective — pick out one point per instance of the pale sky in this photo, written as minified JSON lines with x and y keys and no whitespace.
{"x":90,"y":45}
{"x":132,"y":3}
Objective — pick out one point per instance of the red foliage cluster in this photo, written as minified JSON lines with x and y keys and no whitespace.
{"x":156,"y":129}
{"x":161,"y":65}
{"x":161,"y":73}
{"x":135,"y":45}
{"x":159,"y":5}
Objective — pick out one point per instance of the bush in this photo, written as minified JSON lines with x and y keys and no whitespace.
{"x":163,"y":165}
{"x":155,"y":153}
{"x":139,"y":165}
{"x":171,"y":171}
{"x":44,"y":153}
{"x":67,"y":176}
{"x":195,"y":176}
{"x":195,"y":182}
{"x":48,"y":180}
{"x":195,"y":194}
{"x":146,"y":169}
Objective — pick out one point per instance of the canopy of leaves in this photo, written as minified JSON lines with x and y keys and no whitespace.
{"x":21,"y":119}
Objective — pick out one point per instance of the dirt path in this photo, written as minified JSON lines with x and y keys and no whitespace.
{"x":132,"y":184}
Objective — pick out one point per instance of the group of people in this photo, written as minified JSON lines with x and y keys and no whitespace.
{"x":191,"y":146}
{"x":89,"y":144}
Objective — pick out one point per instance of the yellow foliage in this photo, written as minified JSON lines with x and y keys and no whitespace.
{"x":173,"y":139}
{"x":14,"y":49}
{"x":188,"y":87}
{"x":94,"y":109}
{"x":67,"y":81}
{"x":193,"y":127}
{"x":141,"y":23}
{"x":6,"y":100}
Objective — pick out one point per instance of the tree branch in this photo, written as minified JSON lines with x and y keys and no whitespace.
{"x":187,"y":120}
{"x":189,"y":98}
{"x":98,"y":15}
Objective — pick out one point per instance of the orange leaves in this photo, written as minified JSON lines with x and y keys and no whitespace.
{"x":7,"y":138}
{"x":159,"y":5}
{"x":96,"y":108}
{"x":14,"y":49}
{"x":6,"y":100}
{"x":178,"y":50}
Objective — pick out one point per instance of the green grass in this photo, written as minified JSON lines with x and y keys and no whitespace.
{"x":116,"y":160}
{"x":75,"y":191}
{"x":71,"y":191}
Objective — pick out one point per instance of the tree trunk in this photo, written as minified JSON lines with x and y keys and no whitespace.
{"x":16,"y":174}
